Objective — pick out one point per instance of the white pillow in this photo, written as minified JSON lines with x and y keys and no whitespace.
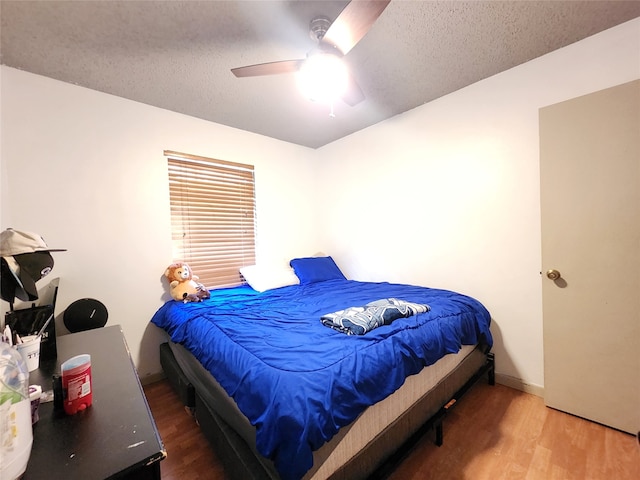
{"x":266,"y":277}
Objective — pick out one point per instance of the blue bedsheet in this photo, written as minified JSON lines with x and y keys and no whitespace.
{"x":298,"y":381}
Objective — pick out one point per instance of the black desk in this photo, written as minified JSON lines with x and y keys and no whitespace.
{"x":114,"y":438}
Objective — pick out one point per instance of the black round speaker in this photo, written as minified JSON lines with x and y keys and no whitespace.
{"x":85,"y":314}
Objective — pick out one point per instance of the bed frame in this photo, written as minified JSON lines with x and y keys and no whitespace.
{"x":380,"y":457}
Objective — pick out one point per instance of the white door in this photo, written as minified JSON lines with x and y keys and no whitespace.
{"x":590,"y":205}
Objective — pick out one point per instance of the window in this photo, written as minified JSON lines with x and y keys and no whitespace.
{"x":213,"y":220}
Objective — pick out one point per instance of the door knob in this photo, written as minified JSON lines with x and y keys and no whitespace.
{"x":553,"y":274}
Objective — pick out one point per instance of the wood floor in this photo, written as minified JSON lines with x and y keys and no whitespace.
{"x":492,"y":433}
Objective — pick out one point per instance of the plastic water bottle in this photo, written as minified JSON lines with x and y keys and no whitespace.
{"x":16,"y":435}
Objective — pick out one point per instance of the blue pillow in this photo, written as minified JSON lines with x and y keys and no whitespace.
{"x":316,"y":269}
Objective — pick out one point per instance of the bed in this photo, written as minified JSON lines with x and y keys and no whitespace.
{"x":286,"y":384}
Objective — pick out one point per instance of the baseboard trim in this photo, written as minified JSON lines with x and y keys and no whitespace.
{"x":519,"y":384}
{"x":152,"y":378}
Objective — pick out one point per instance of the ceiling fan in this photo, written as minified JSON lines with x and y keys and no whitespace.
{"x":335,"y":40}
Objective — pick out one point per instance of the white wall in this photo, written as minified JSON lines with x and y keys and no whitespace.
{"x":86,"y":171}
{"x":447,"y":195}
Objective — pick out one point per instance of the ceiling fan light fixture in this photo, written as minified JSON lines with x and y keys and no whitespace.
{"x":323,"y":77}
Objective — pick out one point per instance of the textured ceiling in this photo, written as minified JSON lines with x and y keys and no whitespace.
{"x":178,"y":55}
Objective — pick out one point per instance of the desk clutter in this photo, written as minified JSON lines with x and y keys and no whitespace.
{"x":101,"y":439}
{"x":45,"y":379}
{"x":16,"y":435}
{"x":71,"y":388}
{"x":27,"y":336}
{"x":20,"y":402}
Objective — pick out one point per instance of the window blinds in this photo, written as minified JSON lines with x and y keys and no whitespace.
{"x":213,"y":220}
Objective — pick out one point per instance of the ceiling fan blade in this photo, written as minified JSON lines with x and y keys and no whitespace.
{"x":271,"y":68}
{"x":354,"y":94}
{"x":353,"y":23}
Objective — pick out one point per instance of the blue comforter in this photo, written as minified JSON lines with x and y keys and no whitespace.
{"x":298,"y":381}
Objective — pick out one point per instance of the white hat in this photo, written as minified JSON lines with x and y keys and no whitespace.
{"x":15,"y":242}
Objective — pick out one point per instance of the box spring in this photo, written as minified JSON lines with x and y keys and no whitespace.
{"x":419,"y":405}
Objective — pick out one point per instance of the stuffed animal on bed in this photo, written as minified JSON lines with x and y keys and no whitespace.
{"x":184,"y":285}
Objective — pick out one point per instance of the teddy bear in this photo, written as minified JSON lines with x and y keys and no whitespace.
{"x":184,"y":285}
